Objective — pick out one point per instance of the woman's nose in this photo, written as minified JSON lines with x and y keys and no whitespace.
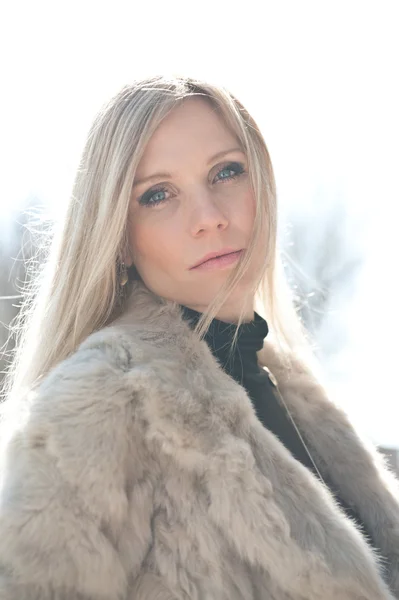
{"x":206,"y":214}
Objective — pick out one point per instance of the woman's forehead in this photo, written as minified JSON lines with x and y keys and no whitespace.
{"x":192,"y":129}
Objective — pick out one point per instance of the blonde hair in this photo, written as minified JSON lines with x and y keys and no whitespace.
{"x":78,"y":291}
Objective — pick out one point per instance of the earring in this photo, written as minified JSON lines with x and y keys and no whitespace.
{"x":123,"y":277}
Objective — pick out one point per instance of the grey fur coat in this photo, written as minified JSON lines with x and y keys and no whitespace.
{"x":140,"y":471}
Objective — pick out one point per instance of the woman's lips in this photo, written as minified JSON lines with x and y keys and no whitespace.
{"x":220,"y":262}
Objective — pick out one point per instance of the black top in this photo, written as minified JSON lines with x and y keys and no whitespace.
{"x":242,"y":364}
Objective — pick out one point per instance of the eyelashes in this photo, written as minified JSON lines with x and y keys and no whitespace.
{"x":236,"y":168}
{"x":157,"y":194}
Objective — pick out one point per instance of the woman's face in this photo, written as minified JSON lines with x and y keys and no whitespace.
{"x":191,"y":196}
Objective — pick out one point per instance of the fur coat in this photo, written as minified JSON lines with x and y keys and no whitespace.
{"x":141,"y":472}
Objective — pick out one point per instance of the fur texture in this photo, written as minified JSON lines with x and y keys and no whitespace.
{"x":142,"y":472}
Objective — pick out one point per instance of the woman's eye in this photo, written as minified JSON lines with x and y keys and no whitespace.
{"x":153,"y":197}
{"x":231,"y":171}
{"x":157,"y":196}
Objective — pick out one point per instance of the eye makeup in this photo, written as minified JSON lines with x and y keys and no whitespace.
{"x":235,"y":170}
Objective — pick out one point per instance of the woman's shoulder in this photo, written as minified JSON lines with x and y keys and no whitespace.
{"x":78,"y":426}
{"x":86,"y":395}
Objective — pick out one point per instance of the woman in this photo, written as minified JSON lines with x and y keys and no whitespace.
{"x":158,"y":446}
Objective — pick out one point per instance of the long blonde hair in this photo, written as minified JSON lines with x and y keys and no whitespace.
{"x":77,"y":291}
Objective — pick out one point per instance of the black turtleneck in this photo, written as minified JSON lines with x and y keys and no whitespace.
{"x":242,"y":364}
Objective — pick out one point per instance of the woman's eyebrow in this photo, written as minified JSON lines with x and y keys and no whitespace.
{"x":150,"y":177}
{"x":165,"y":175}
{"x":223,"y":152}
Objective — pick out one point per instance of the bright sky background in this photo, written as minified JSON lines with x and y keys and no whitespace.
{"x":320,"y":77}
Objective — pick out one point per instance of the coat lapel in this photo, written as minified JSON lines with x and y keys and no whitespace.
{"x":352,"y":464}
